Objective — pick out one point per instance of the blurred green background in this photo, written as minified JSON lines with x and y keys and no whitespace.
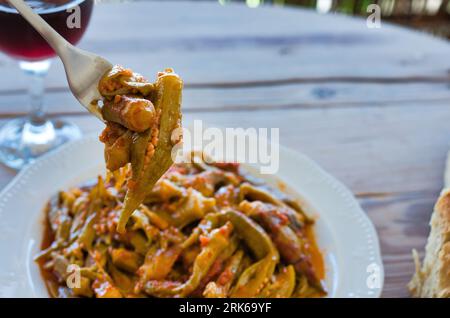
{"x":432,"y":16}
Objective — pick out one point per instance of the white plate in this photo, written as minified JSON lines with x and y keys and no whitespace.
{"x":345,"y":234}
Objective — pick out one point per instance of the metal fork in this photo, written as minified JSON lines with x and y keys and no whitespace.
{"x":83,"y":69}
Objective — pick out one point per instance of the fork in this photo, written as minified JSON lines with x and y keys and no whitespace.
{"x":83,"y":69}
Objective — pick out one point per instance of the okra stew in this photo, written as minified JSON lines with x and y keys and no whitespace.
{"x":151,"y":228}
{"x":204,"y":230}
{"x":143,"y":123}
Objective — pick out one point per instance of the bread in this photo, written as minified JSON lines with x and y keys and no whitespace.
{"x":432,"y":279}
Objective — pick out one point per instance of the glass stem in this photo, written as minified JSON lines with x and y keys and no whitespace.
{"x":36,"y":72}
{"x":36,"y":95}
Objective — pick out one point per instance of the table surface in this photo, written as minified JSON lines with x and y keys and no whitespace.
{"x":371,"y":106}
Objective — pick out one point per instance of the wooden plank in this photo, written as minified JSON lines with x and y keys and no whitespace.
{"x":208,"y":43}
{"x":381,"y":149}
{"x":303,"y":95}
{"x":6,"y":176}
{"x":373,"y":150}
{"x":402,"y":225}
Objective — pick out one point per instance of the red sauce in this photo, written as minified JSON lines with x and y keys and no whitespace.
{"x":316,"y":256}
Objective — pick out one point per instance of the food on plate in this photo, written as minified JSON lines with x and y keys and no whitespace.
{"x":143,"y":122}
{"x":432,"y":278}
{"x":203,"y":230}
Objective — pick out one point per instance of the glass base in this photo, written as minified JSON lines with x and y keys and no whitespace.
{"x":22,"y":142}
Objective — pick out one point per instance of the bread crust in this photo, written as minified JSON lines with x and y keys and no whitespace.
{"x":445,"y":271}
{"x":432,"y":279}
{"x":442,"y":207}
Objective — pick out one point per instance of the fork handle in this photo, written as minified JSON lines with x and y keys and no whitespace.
{"x":54,"y":39}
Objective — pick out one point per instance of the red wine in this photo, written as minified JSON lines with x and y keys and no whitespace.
{"x":18,"y":39}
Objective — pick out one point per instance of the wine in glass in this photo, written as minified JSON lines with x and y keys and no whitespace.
{"x":24,"y":139}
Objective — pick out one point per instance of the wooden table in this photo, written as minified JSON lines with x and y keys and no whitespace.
{"x":371,"y":106}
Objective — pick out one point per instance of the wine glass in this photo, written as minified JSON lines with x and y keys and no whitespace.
{"x":24,"y":139}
